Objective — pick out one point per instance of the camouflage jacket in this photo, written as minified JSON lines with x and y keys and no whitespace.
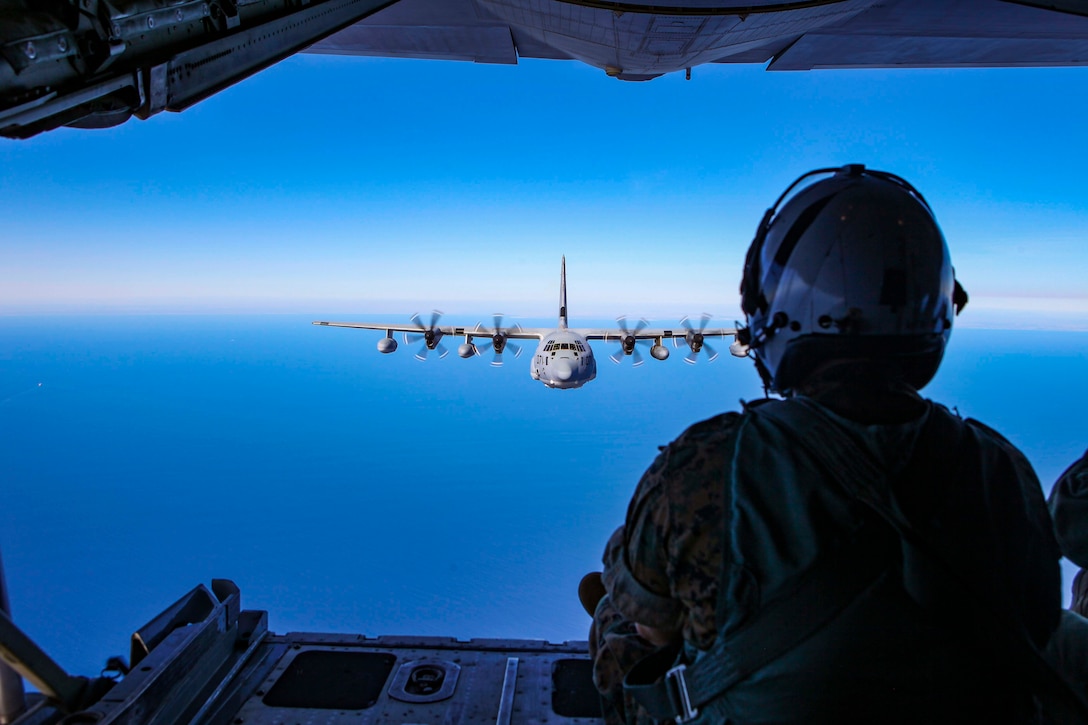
{"x":741,"y":485}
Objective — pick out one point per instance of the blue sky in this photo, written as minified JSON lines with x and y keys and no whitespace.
{"x":333,"y":185}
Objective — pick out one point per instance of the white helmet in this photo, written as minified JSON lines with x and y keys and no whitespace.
{"x":852,"y":267}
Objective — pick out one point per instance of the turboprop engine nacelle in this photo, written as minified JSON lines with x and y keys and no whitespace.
{"x":387,"y":345}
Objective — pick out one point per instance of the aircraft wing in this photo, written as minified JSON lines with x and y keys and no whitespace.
{"x":695,"y":335}
{"x":648,"y":333}
{"x":516,"y":332}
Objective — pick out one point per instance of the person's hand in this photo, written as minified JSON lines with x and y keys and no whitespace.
{"x":657,"y":637}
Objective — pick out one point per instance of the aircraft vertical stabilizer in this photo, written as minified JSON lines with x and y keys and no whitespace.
{"x":563,"y":295}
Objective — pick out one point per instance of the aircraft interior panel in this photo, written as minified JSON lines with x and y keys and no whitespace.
{"x":205,"y":660}
{"x":341,"y":679}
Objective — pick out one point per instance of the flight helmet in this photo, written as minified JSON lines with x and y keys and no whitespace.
{"x":852,"y":267}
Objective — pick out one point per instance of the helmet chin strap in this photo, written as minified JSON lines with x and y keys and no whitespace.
{"x":765,"y":377}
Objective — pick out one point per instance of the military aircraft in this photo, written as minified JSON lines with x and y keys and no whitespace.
{"x":93,"y":63}
{"x":563,"y":357}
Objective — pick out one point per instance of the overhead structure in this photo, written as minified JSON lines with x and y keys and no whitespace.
{"x":94,"y":63}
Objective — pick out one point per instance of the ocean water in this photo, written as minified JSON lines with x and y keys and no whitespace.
{"x":344,"y":490}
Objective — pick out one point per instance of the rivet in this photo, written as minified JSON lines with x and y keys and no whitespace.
{"x":151,"y":22}
{"x":30,"y":50}
{"x":62,"y":44}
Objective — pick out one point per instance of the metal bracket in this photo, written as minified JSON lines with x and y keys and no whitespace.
{"x":678,"y":692}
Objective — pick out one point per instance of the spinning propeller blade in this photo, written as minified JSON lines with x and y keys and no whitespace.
{"x":429,"y":335}
{"x":695,"y":340}
{"x":499,"y":342}
{"x":628,"y":343}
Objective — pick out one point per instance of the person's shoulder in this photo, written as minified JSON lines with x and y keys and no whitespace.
{"x":710,"y":434}
{"x":702,"y":446}
{"x":986,"y":437}
{"x":712,"y":429}
{"x":980,"y":430}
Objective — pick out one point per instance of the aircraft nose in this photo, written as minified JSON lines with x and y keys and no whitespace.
{"x":562,"y":369}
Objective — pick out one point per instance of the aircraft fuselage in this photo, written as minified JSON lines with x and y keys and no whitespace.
{"x":563,"y":359}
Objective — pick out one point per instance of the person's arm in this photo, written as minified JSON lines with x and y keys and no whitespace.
{"x":638,"y":585}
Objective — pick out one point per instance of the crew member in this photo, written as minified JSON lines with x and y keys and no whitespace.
{"x":1069,"y":507}
{"x":852,"y":552}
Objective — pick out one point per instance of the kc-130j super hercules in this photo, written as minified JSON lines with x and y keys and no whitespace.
{"x":96,"y":63}
{"x":563,"y":357}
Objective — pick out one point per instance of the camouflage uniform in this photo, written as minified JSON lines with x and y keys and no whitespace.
{"x":692,"y":528}
{"x":748,"y":480}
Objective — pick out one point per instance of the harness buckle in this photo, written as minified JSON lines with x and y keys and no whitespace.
{"x":677,"y":688}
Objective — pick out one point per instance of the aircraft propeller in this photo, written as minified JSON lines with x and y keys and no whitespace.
{"x":695,"y":340}
{"x":430,"y":335}
{"x":499,"y":341}
{"x":629,"y":343}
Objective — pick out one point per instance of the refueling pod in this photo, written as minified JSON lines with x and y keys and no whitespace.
{"x":387,"y":345}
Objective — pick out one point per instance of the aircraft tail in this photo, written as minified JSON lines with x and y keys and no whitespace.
{"x":563,"y":295}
